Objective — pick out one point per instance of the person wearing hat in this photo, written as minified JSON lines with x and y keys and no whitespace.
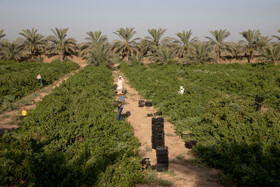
{"x":120,"y":106}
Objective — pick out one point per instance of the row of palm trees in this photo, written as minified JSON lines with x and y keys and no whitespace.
{"x":156,"y":48}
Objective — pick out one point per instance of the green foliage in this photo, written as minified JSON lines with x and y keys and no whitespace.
{"x":96,"y":51}
{"x":32,"y":41}
{"x":127,"y":46}
{"x":200,"y":53}
{"x":73,"y":138}
{"x":60,"y":44}
{"x":19,"y":79}
{"x":163,"y":55}
{"x":218,"y":108}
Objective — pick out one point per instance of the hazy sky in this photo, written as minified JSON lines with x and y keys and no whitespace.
{"x":81,"y":16}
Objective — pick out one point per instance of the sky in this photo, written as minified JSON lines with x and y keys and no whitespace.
{"x":81,"y":16}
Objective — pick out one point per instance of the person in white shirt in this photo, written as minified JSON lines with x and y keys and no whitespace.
{"x":181,"y":91}
{"x":39,"y":78}
{"x":120,"y":83}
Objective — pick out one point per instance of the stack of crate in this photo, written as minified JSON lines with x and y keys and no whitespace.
{"x":157,"y":132}
{"x":158,"y":143}
{"x":162,"y":158}
{"x":141,"y":103}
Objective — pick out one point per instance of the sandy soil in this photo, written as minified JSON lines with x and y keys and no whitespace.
{"x":76,"y":59}
{"x":185,"y":174}
{"x":5,"y":122}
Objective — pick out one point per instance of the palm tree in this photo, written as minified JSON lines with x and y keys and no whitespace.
{"x":11,"y":51}
{"x":251,"y":43}
{"x":143,"y":47}
{"x":156,"y":35}
{"x":2,"y":34}
{"x":100,"y":54}
{"x":33,"y":41}
{"x":184,"y":43}
{"x":94,"y":40}
{"x":136,"y":59}
{"x":64,"y":46}
{"x":201,"y":53}
{"x":271,"y":54}
{"x":127,"y":46}
{"x":235,"y":50}
{"x":218,"y":37}
{"x":277,"y":37}
{"x":163,"y":55}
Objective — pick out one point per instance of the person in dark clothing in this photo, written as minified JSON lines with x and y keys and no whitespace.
{"x":120,"y":106}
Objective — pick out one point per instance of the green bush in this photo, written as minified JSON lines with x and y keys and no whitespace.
{"x":73,"y":138}
{"x":18,"y":79}
{"x":218,"y":107}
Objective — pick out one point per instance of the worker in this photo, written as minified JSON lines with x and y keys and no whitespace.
{"x":120,"y":106}
{"x":23,"y":113}
{"x":120,"y":83}
{"x":181,"y":91}
{"x":39,"y":78}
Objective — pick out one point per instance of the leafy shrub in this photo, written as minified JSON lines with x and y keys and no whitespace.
{"x":218,"y":107}
{"x":18,"y":79}
{"x":73,"y":138}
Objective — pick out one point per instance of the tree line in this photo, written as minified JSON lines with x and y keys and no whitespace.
{"x":183,"y":48}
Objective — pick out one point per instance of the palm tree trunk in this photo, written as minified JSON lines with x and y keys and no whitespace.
{"x":32,"y":55}
{"x":250,"y":56}
{"x":126,"y":55}
{"x":61,"y":56}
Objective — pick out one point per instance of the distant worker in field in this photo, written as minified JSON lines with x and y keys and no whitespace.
{"x":120,"y":83}
{"x":39,"y":78}
{"x":23,"y":113}
{"x":120,"y":106}
{"x":181,"y":91}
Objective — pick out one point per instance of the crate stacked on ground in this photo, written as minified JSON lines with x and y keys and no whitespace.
{"x":141,"y":103}
{"x":158,"y":143}
{"x":157,"y":132}
{"x":162,"y":158}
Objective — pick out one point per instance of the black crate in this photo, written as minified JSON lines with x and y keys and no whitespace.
{"x":190,"y":144}
{"x":157,"y":132}
{"x":127,"y":114}
{"x":160,"y":120}
{"x":154,"y":145}
{"x":141,"y":103}
{"x":148,"y":103}
{"x":162,"y":160}
{"x":154,"y":120}
{"x":149,"y":115}
{"x":162,"y":151}
{"x":162,"y":167}
{"x":159,"y":143}
{"x":259,"y":99}
{"x":158,"y":113}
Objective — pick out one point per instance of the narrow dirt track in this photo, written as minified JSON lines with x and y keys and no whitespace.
{"x":5,"y":121}
{"x":183,"y":173}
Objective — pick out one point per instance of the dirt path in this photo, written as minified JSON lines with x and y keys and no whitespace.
{"x":183,"y":167}
{"x":8,"y":120}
